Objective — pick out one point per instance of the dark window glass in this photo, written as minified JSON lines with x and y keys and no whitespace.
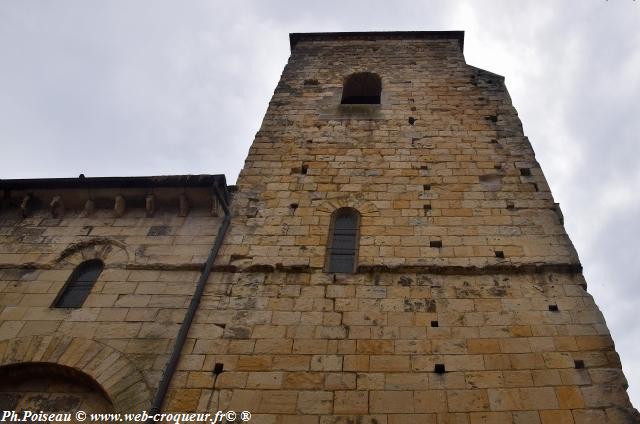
{"x":343,"y":241}
{"x":361,"y":88}
{"x":79,"y":285}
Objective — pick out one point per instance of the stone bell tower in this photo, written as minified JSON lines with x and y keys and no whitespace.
{"x":395,"y":254}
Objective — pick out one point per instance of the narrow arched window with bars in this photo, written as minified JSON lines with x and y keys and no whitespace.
{"x":342,"y":249}
{"x":79,"y":284}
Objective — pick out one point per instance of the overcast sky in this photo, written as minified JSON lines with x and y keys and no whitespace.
{"x":110,"y":88}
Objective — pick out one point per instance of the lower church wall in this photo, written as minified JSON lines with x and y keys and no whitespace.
{"x":318,"y":347}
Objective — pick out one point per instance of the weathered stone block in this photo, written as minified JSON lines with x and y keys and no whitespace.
{"x":391,"y":402}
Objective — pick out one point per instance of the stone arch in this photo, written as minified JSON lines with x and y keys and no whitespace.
{"x":111,"y":252}
{"x":365,"y":208}
{"x":43,"y":386}
{"x":118,"y":377}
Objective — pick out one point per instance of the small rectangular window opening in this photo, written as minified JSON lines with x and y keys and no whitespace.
{"x":525,"y":172}
{"x":435,"y":243}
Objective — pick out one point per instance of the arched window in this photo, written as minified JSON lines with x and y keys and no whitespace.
{"x":342,"y":249}
{"x":361,"y":88}
{"x":79,"y":285}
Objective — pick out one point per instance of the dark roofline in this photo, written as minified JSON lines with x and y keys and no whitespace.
{"x":294,"y":38}
{"x":203,"y":180}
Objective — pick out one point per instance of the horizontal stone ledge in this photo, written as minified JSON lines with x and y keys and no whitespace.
{"x":151,"y":266}
{"x":565,"y":268}
{"x":197,"y":266}
{"x":533,"y":268}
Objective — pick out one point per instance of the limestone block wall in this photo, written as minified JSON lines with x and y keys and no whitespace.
{"x":123,"y":334}
{"x":442,"y":158}
{"x":311,"y":348}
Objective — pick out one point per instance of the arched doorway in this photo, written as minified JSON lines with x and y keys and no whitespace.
{"x":114,"y":373}
{"x":51,"y":388}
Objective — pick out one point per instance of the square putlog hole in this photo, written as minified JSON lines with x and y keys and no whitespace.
{"x":439,"y":369}
{"x":499,"y":254}
{"x":579,"y":364}
{"x":434,"y":324}
{"x":553,"y":308}
{"x":218,"y":368}
{"x":435,"y":243}
{"x":525,"y":172}
{"x":426,"y":187}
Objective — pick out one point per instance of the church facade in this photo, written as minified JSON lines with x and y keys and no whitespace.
{"x":391,"y":253}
